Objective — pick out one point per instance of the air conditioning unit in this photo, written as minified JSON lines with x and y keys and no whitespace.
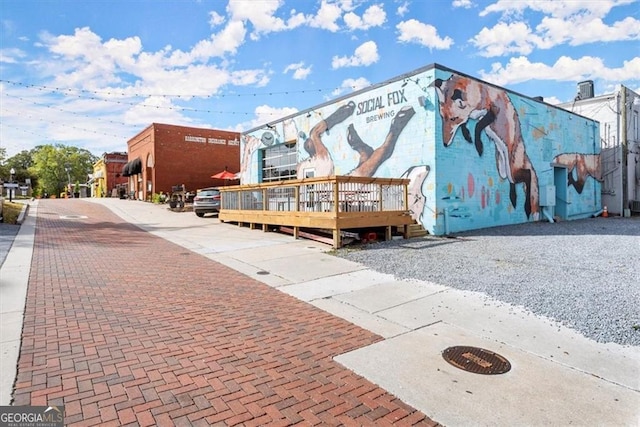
{"x":635,"y":205}
{"x":585,"y":89}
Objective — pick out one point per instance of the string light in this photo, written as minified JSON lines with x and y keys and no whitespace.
{"x":57,"y":123}
{"x":94,"y":92}
{"x":99,"y":96}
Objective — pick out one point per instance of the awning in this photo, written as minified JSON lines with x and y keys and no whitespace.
{"x":133,"y":167}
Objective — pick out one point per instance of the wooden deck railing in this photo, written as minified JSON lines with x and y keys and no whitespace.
{"x":334,"y":203}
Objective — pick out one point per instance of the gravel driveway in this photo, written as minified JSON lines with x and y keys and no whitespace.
{"x":584,"y":273}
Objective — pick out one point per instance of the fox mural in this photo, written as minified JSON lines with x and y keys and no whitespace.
{"x":462,"y":99}
{"x":584,"y":166}
{"x":405,"y":128}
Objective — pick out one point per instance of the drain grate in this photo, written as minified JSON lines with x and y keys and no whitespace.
{"x":476,"y":360}
{"x":262,"y":272}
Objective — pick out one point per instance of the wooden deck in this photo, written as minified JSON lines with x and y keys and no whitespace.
{"x":336,"y":203}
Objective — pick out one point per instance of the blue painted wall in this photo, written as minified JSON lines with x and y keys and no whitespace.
{"x":474,"y":180}
{"x":495,"y":176}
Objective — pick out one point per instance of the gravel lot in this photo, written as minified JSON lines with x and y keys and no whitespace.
{"x":584,"y":273}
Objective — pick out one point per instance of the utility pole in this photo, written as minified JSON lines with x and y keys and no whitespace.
{"x":625,"y":149}
{"x":67,"y":168}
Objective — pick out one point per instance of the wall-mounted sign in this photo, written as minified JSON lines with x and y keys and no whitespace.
{"x":190,"y":138}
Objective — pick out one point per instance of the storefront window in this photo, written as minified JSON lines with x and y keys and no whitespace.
{"x":279,"y":162}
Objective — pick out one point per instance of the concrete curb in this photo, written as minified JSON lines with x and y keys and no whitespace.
{"x":23,"y":214}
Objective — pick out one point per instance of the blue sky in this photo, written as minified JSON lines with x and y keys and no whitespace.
{"x":92,"y":74}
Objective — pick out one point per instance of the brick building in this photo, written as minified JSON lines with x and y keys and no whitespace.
{"x":107,"y":174}
{"x":163,"y":156}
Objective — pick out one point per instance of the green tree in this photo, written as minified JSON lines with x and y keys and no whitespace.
{"x":57,"y":166}
{"x":21,"y":163}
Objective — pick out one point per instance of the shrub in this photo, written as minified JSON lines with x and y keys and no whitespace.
{"x":10,"y":212}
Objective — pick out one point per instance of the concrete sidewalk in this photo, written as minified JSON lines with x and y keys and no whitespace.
{"x":557,"y":378}
{"x":15,"y":253}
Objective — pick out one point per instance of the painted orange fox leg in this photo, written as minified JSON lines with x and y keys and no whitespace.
{"x":382,"y":153}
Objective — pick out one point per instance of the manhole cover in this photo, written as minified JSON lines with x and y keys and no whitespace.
{"x":262,"y":272}
{"x":476,"y":360}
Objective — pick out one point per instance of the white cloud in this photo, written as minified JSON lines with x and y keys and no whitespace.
{"x":466,"y":4}
{"x":262,"y":15}
{"x":227,"y":41}
{"x":265,"y":114}
{"x":83,"y":60}
{"x":259,"y":13}
{"x":402,"y":9}
{"x":215,"y":19}
{"x":413,"y":31}
{"x":249,"y":77}
{"x":566,"y":22}
{"x":365,"y":54}
{"x":374,"y":16}
{"x":556,"y":8}
{"x":351,"y":85}
{"x":327,"y":17}
{"x":11,"y":56}
{"x":552,"y":100}
{"x":556,"y":31}
{"x":154,"y":109}
{"x":504,"y":39}
{"x":520,"y":69}
{"x":300,"y":72}
{"x":87,"y":59}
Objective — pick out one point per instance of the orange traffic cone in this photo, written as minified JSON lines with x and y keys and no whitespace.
{"x":605,"y":213}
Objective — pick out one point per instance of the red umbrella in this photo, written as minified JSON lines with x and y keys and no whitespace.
{"x":225,"y":174}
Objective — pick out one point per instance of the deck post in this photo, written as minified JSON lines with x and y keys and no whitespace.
{"x":264,"y":199}
{"x":405,"y":205}
{"x":336,"y":207}
{"x":336,"y":198}
{"x":296,"y":198}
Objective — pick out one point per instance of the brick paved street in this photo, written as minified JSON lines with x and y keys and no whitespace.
{"x":125,"y":328}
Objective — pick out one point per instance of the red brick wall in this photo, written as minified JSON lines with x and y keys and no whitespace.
{"x":114,"y":163}
{"x":179,"y":159}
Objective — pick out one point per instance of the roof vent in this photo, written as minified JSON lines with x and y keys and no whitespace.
{"x":585,"y":89}
{"x":538,"y":98}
